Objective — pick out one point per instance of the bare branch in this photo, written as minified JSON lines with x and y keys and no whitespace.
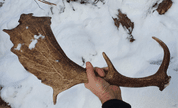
{"x":46,"y":2}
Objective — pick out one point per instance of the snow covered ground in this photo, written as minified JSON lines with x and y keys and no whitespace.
{"x":86,"y":33}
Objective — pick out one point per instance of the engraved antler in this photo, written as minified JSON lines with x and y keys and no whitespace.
{"x":41,"y":55}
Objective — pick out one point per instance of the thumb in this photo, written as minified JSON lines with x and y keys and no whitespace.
{"x":90,"y":71}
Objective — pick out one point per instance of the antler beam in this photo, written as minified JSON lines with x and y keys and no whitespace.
{"x":159,"y":79}
{"x":41,"y":55}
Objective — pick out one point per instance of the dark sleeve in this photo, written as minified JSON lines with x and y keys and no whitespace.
{"x":115,"y":103}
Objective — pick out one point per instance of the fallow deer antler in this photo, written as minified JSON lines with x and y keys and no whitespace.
{"x":159,"y":79}
{"x":41,"y":55}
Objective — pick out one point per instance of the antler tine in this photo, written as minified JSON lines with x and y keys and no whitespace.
{"x":162,"y":71}
{"x":111,"y":68}
{"x":166,"y":59}
{"x":159,"y":79}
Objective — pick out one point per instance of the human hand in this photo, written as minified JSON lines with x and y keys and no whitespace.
{"x":102,"y":89}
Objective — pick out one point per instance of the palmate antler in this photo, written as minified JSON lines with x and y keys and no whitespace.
{"x":41,"y":55}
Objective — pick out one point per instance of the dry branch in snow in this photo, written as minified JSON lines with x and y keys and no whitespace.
{"x":46,"y":2}
{"x":86,"y":1}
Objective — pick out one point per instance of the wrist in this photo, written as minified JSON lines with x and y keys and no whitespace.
{"x":105,"y":97}
{"x":109,"y":95}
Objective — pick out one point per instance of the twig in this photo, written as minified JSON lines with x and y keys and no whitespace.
{"x":38,"y":5}
{"x":96,"y":1}
{"x":64,"y":5}
{"x":43,"y":1}
{"x":72,"y":7}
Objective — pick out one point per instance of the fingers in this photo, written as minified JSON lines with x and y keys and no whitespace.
{"x":100,"y":72}
{"x":90,"y":72}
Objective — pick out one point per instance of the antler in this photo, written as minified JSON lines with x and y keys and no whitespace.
{"x":159,"y":79}
{"x":41,"y":55}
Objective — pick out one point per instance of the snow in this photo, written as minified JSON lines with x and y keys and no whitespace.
{"x":18,"y":46}
{"x":35,"y":41}
{"x":84,"y":34}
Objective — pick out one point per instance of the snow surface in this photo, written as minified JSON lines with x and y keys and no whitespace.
{"x":84,"y":34}
{"x":35,"y":41}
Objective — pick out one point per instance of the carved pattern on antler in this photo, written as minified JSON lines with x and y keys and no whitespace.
{"x":46,"y":59}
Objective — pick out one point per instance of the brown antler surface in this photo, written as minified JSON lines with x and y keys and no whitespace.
{"x":41,"y":55}
{"x":2,"y":103}
{"x":159,"y":79}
